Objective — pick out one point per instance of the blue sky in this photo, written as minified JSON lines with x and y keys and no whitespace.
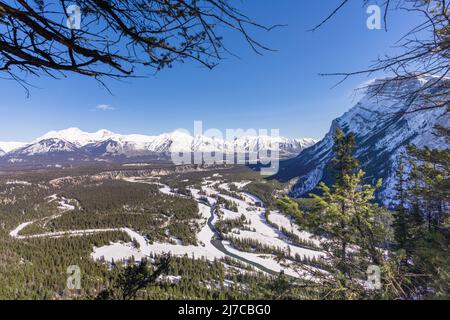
{"x":277,"y":90}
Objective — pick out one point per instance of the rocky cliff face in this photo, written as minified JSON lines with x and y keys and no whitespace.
{"x":384,"y":122}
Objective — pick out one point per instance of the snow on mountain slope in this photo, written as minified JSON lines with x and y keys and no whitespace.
{"x":384,"y":125}
{"x":46,"y":146}
{"x":9,"y":146}
{"x":116,"y":144}
{"x":256,"y":143}
{"x":105,"y":144}
{"x":78,"y":137}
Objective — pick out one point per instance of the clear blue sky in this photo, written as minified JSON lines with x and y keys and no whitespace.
{"x":278,"y":90}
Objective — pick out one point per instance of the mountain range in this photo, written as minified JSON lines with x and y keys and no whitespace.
{"x":385,"y":120}
{"x":75,"y":145}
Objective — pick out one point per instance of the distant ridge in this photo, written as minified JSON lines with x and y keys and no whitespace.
{"x":73,"y":144}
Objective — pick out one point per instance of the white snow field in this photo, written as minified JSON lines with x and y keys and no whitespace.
{"x":270,"y":262}
{"x":119,"y":251}
{"x":282,"y":221}
{"x":263,"y":232}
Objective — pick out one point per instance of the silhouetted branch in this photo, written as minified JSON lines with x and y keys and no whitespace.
{"x":115,"y":36}
{"x":422,"y":56}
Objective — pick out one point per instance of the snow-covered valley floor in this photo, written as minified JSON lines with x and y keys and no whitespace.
{"x":206,"y":248}
{"x":209,"y":246}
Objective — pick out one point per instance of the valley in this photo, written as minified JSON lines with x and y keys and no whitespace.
{"x":319,"y":224}
{"x":211,"y":243}
{"x":206,"y":151}
{"x":208,"y":216}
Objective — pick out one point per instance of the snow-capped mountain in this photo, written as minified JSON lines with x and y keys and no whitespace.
{"x":74,"y":144}
{"x":9,"y":146}
{"x":47,"y":151}
{"x":116,"y":144}
{"x":47,"y":146}
{"x":384,"y":124}
{"x":78,"y":137}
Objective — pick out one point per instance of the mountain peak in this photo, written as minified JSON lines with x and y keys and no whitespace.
{"x":104,"y":144}
{"x":78,"y":136}
{"x":46,"y":146}
{"x":104,"y":133}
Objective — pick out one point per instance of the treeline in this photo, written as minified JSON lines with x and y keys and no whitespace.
{"x":19,"y":201}
{"x":227,"y":204}
{"x":119,"y":196}
{"x":186,"y":232}
{"x":422,"y":221}
{"x":233,"y":192}
{"x":187,"y":278}
{"x":225,"y":226}
{"x":264,"y":190}
{"x":290,"y":236}
{"x":254,"y":246}
{"x":37,"y":268}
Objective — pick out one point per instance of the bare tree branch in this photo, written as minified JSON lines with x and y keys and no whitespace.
{"x":117,"y":37}
{"x":425,"y":53}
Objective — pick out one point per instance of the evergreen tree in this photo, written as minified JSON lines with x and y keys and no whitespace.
{"x":135,"y":278}
{"x":352,"y":225}
{"x":431,"y":171}
{"x":344,"y":164}
{"x":401,"y":215}
{"x":429,"y":196}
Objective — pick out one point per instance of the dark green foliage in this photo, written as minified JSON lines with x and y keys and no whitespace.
{"x":265,"y":190}
{"x":343,"y":163}
{"x":226,"y":226}
{"x":354,"y":226}
{"x":37,"y":268}
{"x":117,"y":204}
{"x":227,"y":204}
{"x":422,"y":227}
{"x":134,"y":278}
{"x":184,"y":232}
{"x":254,"y":246}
